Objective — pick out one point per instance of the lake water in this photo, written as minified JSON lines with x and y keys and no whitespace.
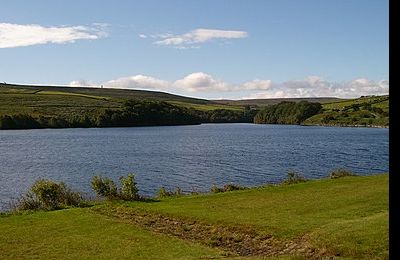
{"x":191,"y":157}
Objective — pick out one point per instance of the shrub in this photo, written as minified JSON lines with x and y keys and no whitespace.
{"x":104,"y":186}
{"x":129,"y":191}
{"x":293,"y":178}
{"x":216,"y":189}
{"x":178,"y":191}
{"x":49,"y":195}
{"x":194,"y":191}
{"x":232,"y":187}
{"x":227,"y":187}
{"x":338,"y":173}
{"x":27,"y":202}
{"x":163,"y":193}
{"x":70,"y":197}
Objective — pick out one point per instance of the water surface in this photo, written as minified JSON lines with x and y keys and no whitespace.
{"x":191,"y":157}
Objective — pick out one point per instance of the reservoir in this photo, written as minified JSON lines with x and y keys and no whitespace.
{"x":191,"y":157}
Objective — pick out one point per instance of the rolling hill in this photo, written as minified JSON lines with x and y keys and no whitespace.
{"x":63,"y":103}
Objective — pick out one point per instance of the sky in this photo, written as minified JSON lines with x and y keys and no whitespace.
{"x":214,"y":49}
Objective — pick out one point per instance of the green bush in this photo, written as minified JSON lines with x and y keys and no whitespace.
{"x":216,"y":189}
{"x":104,"y":186}
{"x":163,"y":193}
{"x":49,"y":195}
{"x":227,"y":187}
{"x":129,"y":191}
{"x":27,"y":202}
{"x":293,"y":178}
{"x":232,"y":187}
{"x":339,"y":173}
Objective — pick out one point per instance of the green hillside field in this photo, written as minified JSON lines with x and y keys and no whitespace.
{"x":363,"y":111}
{"x":52,"y":106}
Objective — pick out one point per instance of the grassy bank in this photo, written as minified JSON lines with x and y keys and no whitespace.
{"x":345,"y":217}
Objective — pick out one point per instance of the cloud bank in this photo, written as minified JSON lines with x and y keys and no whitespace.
{"x":203,"y":83}
{"x":194,"y":37}
{"x":18,"y":35}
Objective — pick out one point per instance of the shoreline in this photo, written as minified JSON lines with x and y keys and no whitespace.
{"x":151,"y":125}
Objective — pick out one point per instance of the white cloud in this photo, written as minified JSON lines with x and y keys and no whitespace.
{"x":137,"y":82}
{"x":82,"y":83}
{"x":204,"y":84}
{"x":256,"y":85}
{"x":199,"y":36}
{"x":317,"y":87}
{"x":201,"y":82}
{"x":143,"y":36}
{"x":17,"y":35}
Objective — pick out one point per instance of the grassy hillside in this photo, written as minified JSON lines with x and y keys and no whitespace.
{"x":50,"y":100}
{"x":346,"y":217}
{"x":73,"y":104}
{"x":273,"y":101}
{"x":363,"y":111}
{"x":26,"y":107}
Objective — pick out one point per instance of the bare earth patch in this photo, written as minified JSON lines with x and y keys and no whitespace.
{"x":238,"y":240}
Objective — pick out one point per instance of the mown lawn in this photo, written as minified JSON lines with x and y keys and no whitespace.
{"x":81,"y":234}
{"x":346,"y":217}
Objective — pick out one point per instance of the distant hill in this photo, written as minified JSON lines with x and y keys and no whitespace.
{"x":62,"y":103}
{"x":273,"y":101}
{"x":101,"y":92}
{"x":363,"y":111}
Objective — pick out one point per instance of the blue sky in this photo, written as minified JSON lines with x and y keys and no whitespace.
{"x":210,"y":49}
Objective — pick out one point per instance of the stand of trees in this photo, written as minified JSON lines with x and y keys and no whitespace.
{"x":228,"y":116}
{"x":152,"y":113}
{"x":287,"y":112}
{"x":132,"y":113}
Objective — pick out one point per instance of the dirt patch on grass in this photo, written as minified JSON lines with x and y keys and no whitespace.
{"x":236,"y":240}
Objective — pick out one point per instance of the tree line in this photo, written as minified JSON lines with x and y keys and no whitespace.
{"x":287,"y":112}
{"x":131,"y":113}
{"x":152,"y":113}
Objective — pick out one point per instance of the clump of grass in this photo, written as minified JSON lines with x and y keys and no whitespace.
{"x":216,"y":189}
{"x":163,"y":193}
{"x":48,"y":195}
{"x":341,"y":172}
{"x":293,"y":178}
{"x":226,"y":187}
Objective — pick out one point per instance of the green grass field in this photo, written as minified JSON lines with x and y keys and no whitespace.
{"x":65,"y":102}
{"x":62,"y":101}
{"x":81,"y":234}
{"x":378,"y":101}
{"x":341,"y":113}
{"x":346,"y":217}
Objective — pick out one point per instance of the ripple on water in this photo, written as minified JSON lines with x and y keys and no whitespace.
{"x":186,"y":156}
